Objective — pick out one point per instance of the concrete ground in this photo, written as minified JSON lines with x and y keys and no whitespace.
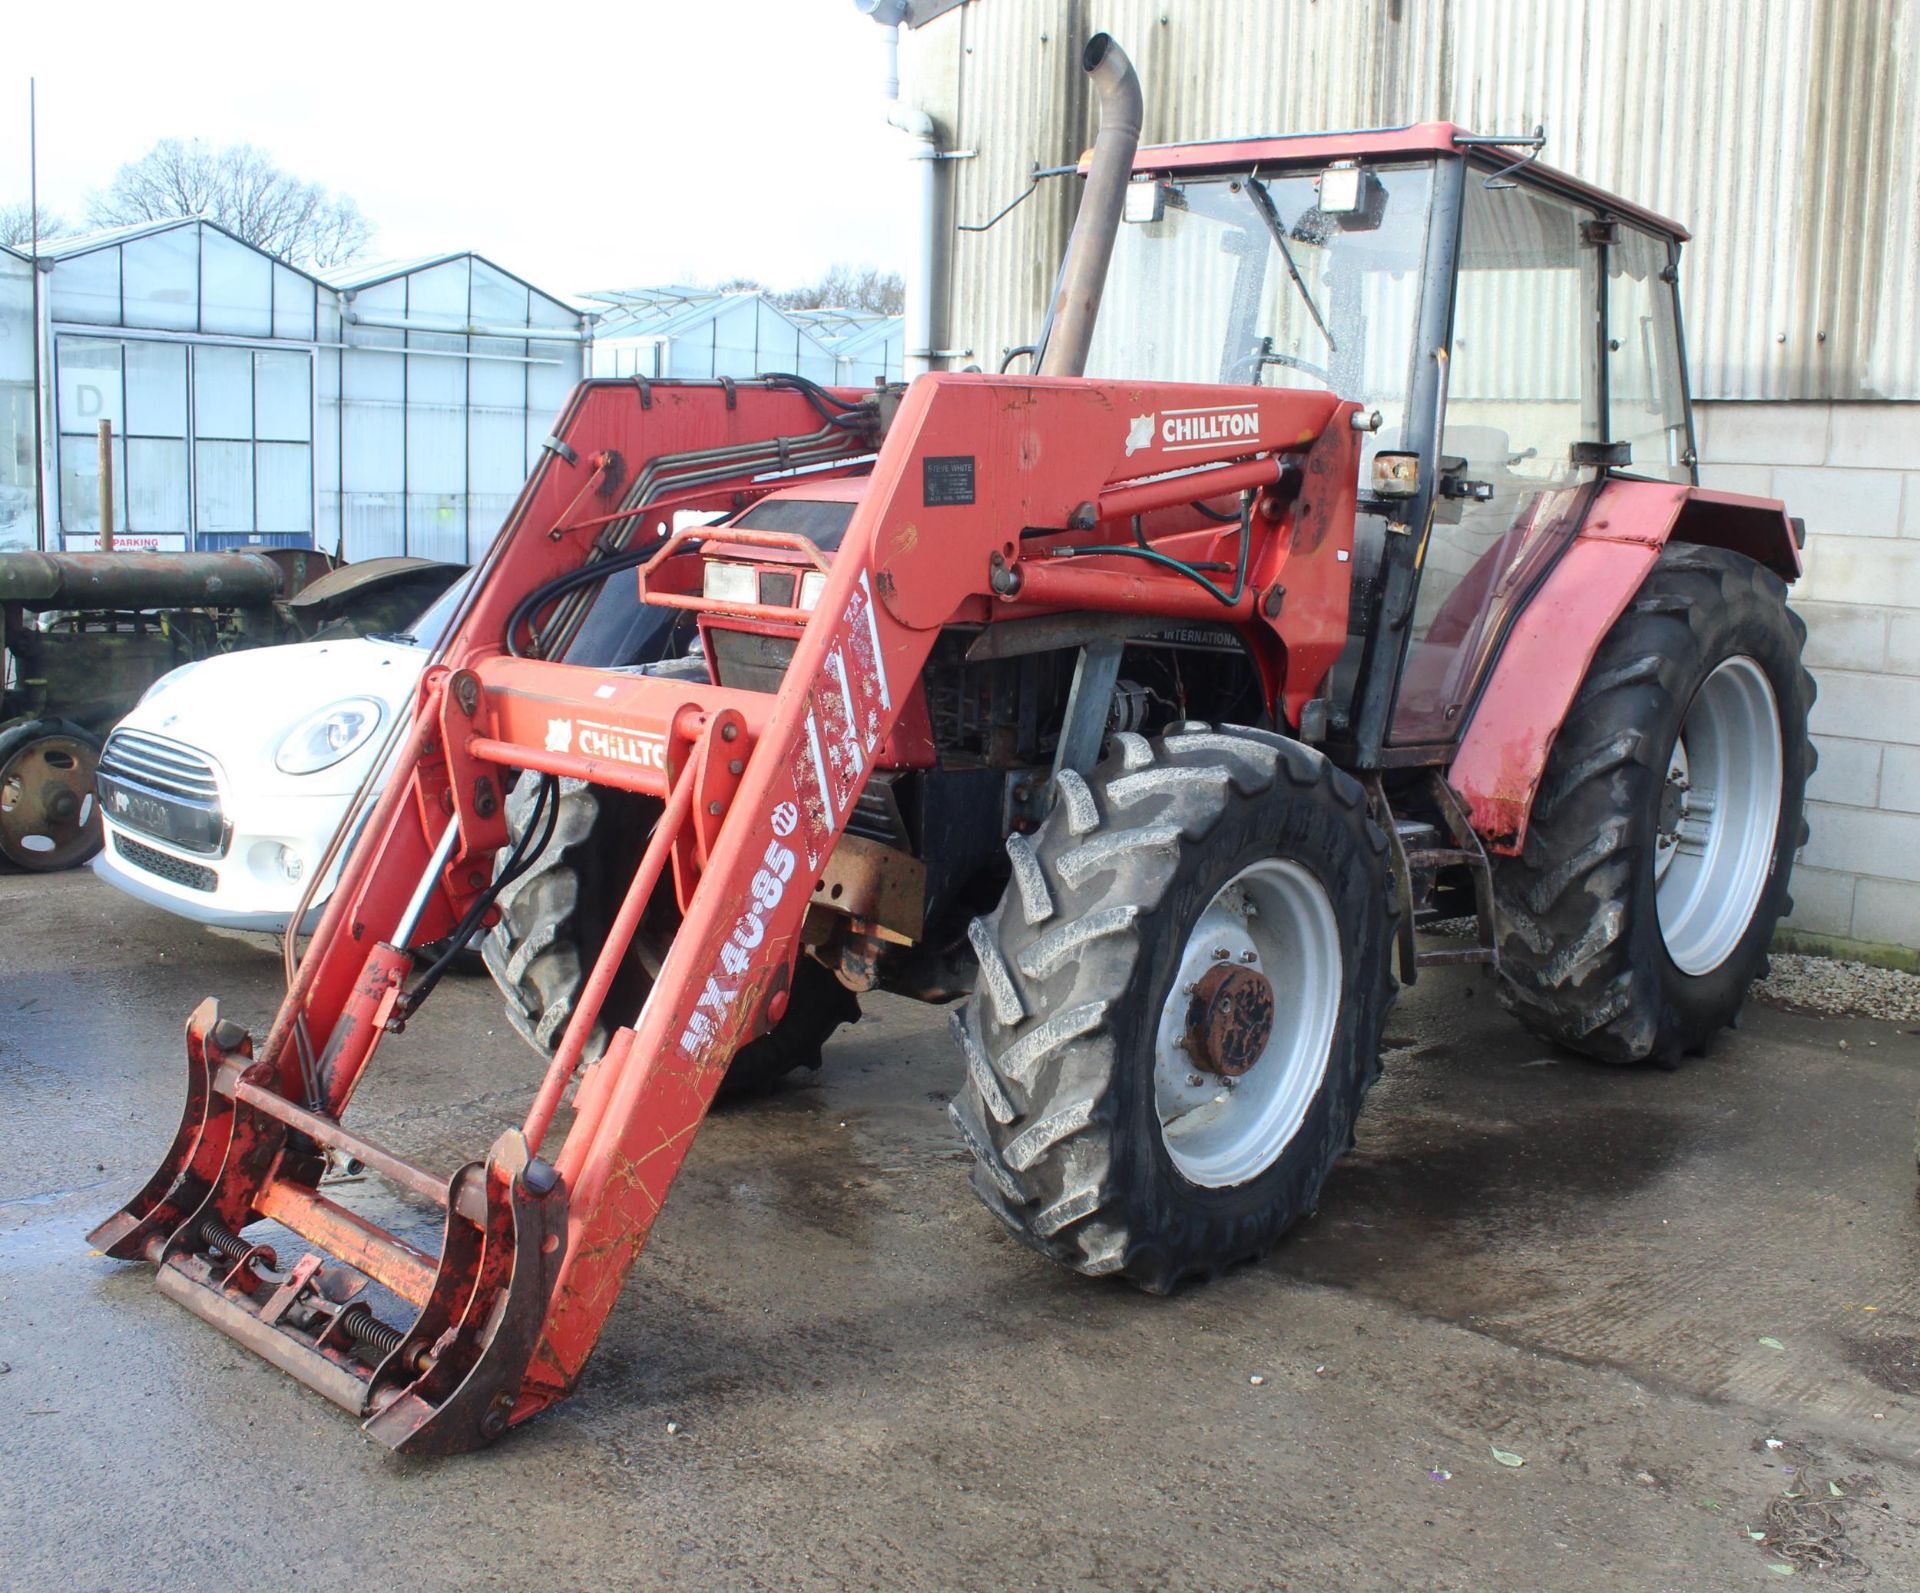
{"x":1635,"y":1282}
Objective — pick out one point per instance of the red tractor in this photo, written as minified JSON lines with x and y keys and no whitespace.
{"x":1365,"y":578}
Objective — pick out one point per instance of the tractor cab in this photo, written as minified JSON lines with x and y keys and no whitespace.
{"x":1516,"y":331}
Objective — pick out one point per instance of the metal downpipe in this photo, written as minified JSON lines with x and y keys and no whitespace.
{"x":1083,"y":269}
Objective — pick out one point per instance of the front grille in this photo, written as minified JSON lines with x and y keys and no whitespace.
{"x":163,"y":789}
{"x":748,"y":661}
{"x":192,"y":875}
{"x":159,"y":765}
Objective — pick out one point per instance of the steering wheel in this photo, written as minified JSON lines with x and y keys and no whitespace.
{"x":1262,"y":357}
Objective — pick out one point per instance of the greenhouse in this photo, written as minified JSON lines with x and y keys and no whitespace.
{"x":392,"y":409}
{"x":704,"y":333}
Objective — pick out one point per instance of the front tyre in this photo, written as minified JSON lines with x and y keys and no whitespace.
{"x":1180,"y":1005}
{"x":1657,"y":857}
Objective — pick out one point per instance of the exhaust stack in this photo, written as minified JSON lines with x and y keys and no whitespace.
{"x":1083,"y":269}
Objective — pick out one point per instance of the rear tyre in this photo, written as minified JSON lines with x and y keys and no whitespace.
{"x":1658,"y":853}
{"x":1097,"y":1103}
{"x":554,"y":918}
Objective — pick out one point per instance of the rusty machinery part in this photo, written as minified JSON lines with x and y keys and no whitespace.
{"x":1097,"y":1138}
{"x":555,"y":916}
{"x":1657,"y":862}
{"x":1229,"y":1018}
{"x":49,"y":815}
{"x":92,"y":581}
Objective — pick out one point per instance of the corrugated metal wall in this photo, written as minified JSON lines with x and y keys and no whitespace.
{"x":1783,"y":132}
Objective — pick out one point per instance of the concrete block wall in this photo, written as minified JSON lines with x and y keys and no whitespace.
{"x":1852,"y":471}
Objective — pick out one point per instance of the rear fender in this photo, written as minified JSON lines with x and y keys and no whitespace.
{"x":1503,"y":752}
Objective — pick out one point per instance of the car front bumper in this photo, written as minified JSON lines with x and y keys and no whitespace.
{"x":246,"y":887}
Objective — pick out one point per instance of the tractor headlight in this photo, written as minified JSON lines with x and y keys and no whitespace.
{"x":321,"y":740}
{"x":722,"y":582}
{"x":812,"y":584}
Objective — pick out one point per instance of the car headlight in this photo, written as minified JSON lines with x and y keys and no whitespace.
{"x":321,"y":740}
{"x":812,"y":584}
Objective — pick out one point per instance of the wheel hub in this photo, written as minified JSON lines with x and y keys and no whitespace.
{"x":48,"y":817}
{"x":1229,"y":1019}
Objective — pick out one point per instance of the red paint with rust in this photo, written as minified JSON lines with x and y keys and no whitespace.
{"x":1503,"y":751}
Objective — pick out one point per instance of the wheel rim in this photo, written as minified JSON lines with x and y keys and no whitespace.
{"x":1718,"y":816}
{"x":1273,"y":920}
{"x":48,"y":816}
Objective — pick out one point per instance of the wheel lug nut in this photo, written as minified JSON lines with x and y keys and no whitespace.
{"x":1196,"y":1079}
{"x":1248,"y":956}
{"x":1220,"y":953}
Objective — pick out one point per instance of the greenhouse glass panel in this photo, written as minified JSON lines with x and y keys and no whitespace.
{"x":437,"y":527}
{"x":550,"y":381}
{"x":375,"y":526}
{"x":436,"y":448}
{"x":80,"y":484}
{"x":543,"y":311}
{"x":293,"y":305}
{"x":497,"y":299}
{"x":19,"y":506}
{"x":156,"y":485}
{"x":369,"y":375}
{"x":436,"y":378}
{"x":161,"y":282}
{"x":497,"y":383}
{"x":236,"y":287}
{"x":284,"y":476}
{"x":387,"y":300}
{"x":223,"y":486}
{"x":157,"y":390}
{"x":16,"y":320}
{"x":222,"y":395}
{"x":87,"y":376}
{"x":496,"y":450}
{"x":87,"y":288}
{"x":373,"y":448}
{"x":282,"y":396}
{"x":439,"y":294}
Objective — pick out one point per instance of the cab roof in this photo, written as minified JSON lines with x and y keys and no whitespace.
{"x":1383,"y":143}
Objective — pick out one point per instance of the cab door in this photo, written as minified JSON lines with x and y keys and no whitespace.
{"x":1516,"y":463}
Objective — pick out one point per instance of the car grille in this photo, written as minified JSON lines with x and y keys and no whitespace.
{"x":195,"y":876}
{"x":163,"y":789}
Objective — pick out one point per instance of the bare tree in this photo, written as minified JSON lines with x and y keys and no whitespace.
{"x":241,"y":188}
{"x":16,"y":225}
{"x":845,"y":287}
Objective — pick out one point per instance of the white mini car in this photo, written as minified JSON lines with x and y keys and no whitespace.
{"x":221,"y":790}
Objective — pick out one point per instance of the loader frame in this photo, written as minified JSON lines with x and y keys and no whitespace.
{"x":978,"y":495}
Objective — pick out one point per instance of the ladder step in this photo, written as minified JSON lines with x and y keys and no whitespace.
{"x":1441,"y":856}
{"x":1441,"y":959}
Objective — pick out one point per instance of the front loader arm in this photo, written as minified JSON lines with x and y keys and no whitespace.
{"x":538,"y":1241}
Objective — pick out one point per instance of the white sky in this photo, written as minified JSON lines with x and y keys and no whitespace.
{"x":579,"y":144}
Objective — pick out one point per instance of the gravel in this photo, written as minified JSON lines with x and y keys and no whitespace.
{"x":1835,"y":989}
{"x":1823,"y":986}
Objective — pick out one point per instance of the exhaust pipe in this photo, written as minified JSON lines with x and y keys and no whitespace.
{"x":1083,"y":268}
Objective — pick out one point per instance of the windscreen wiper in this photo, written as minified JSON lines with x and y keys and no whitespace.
{"x":1263,"y":202}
